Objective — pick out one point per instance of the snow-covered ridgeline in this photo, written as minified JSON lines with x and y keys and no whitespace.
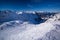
{"x":19,"y":30}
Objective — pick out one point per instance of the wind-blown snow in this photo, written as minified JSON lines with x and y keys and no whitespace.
{"x":19,"y":30}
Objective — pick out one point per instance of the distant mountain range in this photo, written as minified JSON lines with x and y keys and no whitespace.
{"x":34,"y":17}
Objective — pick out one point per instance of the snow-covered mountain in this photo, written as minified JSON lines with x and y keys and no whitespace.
{"x":29,"y":25}
{"x":7,"y":15}
{"x":30,"y":16}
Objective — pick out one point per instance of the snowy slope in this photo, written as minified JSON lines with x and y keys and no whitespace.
{"x":24,"y":30}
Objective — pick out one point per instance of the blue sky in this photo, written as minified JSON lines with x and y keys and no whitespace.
{"x":42,"y":5}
